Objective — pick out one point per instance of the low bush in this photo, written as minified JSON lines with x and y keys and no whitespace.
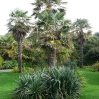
{"x":24,"y":69}
{"x":52,"y":83}
{"x":15,"y":69}
{"x":1,"y":61}
{"x":82,"y":78}
{"x":71,"y":64}
{"x":95,"y":67}
{"x":27,"y":69}
{"x":9,"y":64}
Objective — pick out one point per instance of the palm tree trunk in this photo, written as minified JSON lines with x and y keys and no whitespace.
{"x":81,"y":55}
{"x":20,"y":55}
{"x":52,"y":57}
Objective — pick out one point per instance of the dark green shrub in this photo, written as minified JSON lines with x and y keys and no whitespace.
{"x":95,"y":67}
{"x":52,"y":83}
{"x":92,"y":56}
{"x":62,"y":82}
{"x":71,"y":64}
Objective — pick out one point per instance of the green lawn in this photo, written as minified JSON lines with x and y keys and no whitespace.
{"x":7,"y":84}
{"x":91,"y":91}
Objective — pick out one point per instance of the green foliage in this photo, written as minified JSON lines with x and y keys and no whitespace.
{"x":15,"y":70}
{"x":29,"y":87}
{"x":74,"y":55}
{"x":63,"y":83}
{"x":97,"y":34}
{"x":91,"y":50}
{"x":27,"y":69}
{"x":1,"y":61}
{"x":52,"y":31}
{"x":32,"y":55}
{"x":8,"y":48}
{"x":52,"y":83}
{"x":95,"y":67}
{"x":42,"y":65}
{"x":92,"y":55}
{"x":81,"y":23}
{"x":83,"y":80}
{"x":9,"y":64}
{"x":71,"y":64}
{"x":63,"y":55}
{"x":24,"y":69}
{"x":19,"y":24}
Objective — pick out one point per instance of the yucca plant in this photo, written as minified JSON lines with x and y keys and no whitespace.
{"x":30,"y":86}
{"x":63,"y":82}
{"x":52,"y":83}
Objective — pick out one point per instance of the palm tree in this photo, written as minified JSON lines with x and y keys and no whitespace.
{"x":79,"y":26}
{"x":53,"y":33}
{"x":19,"y":26}
{"x":52,"y":26}
{"x":48,"y":5}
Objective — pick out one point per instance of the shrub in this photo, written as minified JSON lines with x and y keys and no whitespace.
{"x":9,"y":64}
{"x":71,"y":64}
{"x":27,"y":69}
{"x":95,"y":67}
{"x":92,"y":56}
{"x":30,"y":86}
{"x":82,"y":78}
{"x":62,"y":82}
{"x":24,"y":69}
{"x":1,"y":61}
{"x":52,"y":83}
{"x":15,"y":70}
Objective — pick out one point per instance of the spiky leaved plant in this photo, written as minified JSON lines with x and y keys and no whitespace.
{"x":53,"y":83}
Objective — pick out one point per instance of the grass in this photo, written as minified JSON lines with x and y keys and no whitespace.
{"x":7,"y":84}
{"x":91,"y":91}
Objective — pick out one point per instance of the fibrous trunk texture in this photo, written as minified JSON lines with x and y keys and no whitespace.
{"x":52,"y":57}
{"x":81,"y":56}
{"x":20,"y":55}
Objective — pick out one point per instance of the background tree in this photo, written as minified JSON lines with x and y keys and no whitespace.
{"x":91,"y":50}
{"x":19,"y":26}
{"x":7,"y":47}
{"x":96,"y":34}
{"x":80,"y":25}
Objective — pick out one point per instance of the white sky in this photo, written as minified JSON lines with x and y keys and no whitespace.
{"x":75,"y":9}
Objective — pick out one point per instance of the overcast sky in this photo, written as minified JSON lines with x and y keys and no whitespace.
{"x":88,"y":9}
